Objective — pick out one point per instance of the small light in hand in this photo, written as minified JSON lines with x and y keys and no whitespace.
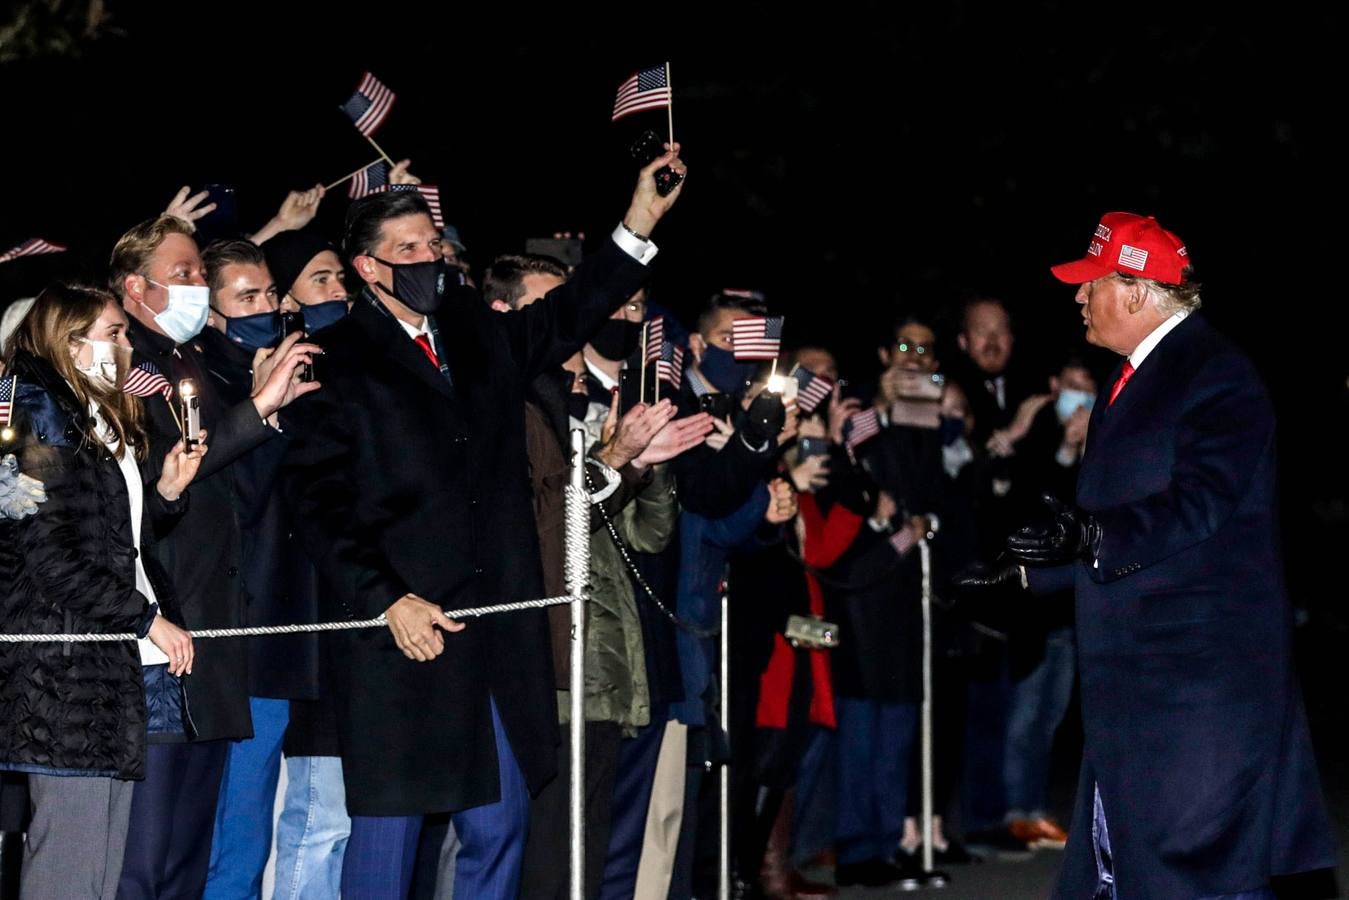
{"x":7,"y":434}
{"x":186,"y":388}
{"x":776,"y":384}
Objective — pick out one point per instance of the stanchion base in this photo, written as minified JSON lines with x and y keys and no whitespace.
{"x":933,"y":879}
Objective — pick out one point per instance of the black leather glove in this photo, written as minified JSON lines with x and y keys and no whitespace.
{"x":1069,"y":534}
{"x":764,"y":420}
{"x":981,"y":576}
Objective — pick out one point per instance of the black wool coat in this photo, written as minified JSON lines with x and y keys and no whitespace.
{"x":399,"y":483}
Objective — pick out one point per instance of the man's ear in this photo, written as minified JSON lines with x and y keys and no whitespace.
{"x":1138,"y":298}
{"x":1054,"y":384}
{"x":365,"y":268}
{"x":883,"y":353}
{"x":133,"y":287}
{"x":963,"y":343}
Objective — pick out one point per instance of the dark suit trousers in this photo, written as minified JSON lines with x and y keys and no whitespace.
{"x":382,"y":849}
{"x":168,"y":842}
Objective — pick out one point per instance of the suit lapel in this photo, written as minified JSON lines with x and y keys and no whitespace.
{"x":386,"y":334}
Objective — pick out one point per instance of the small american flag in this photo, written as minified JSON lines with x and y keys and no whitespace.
{"x":145,"y":380}
{"x":31,"y":247}
{"x":369,"y":180}
{"x":655,"y":338}
{"x":369,"y":106}
{"x":757,"y":337}
{"x":1133,"y":257}
{"x":8,"y":388}
{"x":670,"y":364}
{"x":860,"y":428}
{"x":811,"y":389}
{"x":647,"y":89}
{"x":430,"y":193}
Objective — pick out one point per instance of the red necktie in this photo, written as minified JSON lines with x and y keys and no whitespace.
{"x":1124,"y":376}
{"x":424,"y":342}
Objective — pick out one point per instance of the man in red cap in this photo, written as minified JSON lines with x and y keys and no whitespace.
{"x":1198,"y":779}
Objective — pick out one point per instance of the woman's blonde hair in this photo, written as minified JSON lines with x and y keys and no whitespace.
{"x":61,"y":315}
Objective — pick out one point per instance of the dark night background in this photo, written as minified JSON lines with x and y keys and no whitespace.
{"x":848,"y":159}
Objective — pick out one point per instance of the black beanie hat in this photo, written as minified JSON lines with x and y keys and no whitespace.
{"x":289,"y":252}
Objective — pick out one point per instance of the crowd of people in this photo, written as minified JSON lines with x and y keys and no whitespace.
{"x":385,"y":432}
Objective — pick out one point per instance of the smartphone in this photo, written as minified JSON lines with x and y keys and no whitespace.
{"x":292,"y":322}
{"x":719,"y":405}
{"x":813,"y":446}
{"x":629,"y":389}
{"x":919,"y":385}
{"x":223,"y":221}
{"x":647,"y":147}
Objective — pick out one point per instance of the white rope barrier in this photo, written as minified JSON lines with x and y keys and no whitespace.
{"x":262,"y":630}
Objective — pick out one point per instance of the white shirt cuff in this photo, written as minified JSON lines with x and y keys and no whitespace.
{"x":638,"y":249}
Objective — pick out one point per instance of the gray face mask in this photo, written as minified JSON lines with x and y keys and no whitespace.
{"x":102,"y":368}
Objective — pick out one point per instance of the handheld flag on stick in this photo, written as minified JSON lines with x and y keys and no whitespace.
{"x":860,"y":428}
{"x":757,"y":337}
{"x":811,"y":389}
{"x":145,"y":380}
{"x":368,"y":180}
{"x":670,"y":364}
{"x":655,"y":337}
{"x":369,"y":106}
{"x":9,"y":387}
{"x":430,"y":193}
{"x":647,"y":89}
{"x":31,"y":247}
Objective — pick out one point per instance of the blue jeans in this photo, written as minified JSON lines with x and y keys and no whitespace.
{"x":1038,"y":704}
{"x":312,"y":832}
{"x":875,"y":741}
{"x":243,"y":816}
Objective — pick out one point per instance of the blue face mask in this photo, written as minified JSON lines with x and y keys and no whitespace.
{"x":1070,"y":400}
{"x":721,"y":368}
{"x":253,"y":332}
{"x":321,"y":315}
{"x":952,"y":429}
{"x":185,"y":315}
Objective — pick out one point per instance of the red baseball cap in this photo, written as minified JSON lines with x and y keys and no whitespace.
{"x":1132,"y":244}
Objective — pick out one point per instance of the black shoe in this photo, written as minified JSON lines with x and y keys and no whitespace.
{"x":955,"y":854}
{"x":875,"y":873}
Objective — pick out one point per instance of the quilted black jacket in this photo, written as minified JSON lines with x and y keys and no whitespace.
{"x":72,"y":708}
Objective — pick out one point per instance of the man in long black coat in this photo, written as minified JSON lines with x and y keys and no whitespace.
{"x":408,"y":477}
{"x":1198,"y":778}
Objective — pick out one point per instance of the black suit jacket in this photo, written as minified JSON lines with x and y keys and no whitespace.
{"x":1193,"y":719}
{"x":203,"y":554}
{"x":401,"y":483}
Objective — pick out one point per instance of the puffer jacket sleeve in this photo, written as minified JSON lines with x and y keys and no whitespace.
{"x":63,"y":570}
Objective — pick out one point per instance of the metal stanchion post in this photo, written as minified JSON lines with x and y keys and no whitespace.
{"x":724,"y":859}
{"x":930,"y":877}
{"x":577,"y":555}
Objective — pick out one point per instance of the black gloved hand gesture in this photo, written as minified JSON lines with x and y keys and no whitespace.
{"x":981,"y":576}
{"x":1069,"y":534}
{"x":764,"y":419}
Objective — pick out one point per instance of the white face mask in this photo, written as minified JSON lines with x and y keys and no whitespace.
{"x":185,"y":316}
{"x":102,"y":368}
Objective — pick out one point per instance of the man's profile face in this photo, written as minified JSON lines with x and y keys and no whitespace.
{"x":1104,"y":311}
{"x":987,"y":338}
{"x":322,"y":280}
{"x":818,"y":361}
{"x":1077,"y":378}
{"x":718,"y":333}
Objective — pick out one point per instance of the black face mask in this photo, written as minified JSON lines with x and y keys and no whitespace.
{"x":419,"y":286}
{"x":577,"y":406}
{"x":617,"y":339}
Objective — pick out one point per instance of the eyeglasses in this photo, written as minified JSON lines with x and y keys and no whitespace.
{"x":913,"y":347}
